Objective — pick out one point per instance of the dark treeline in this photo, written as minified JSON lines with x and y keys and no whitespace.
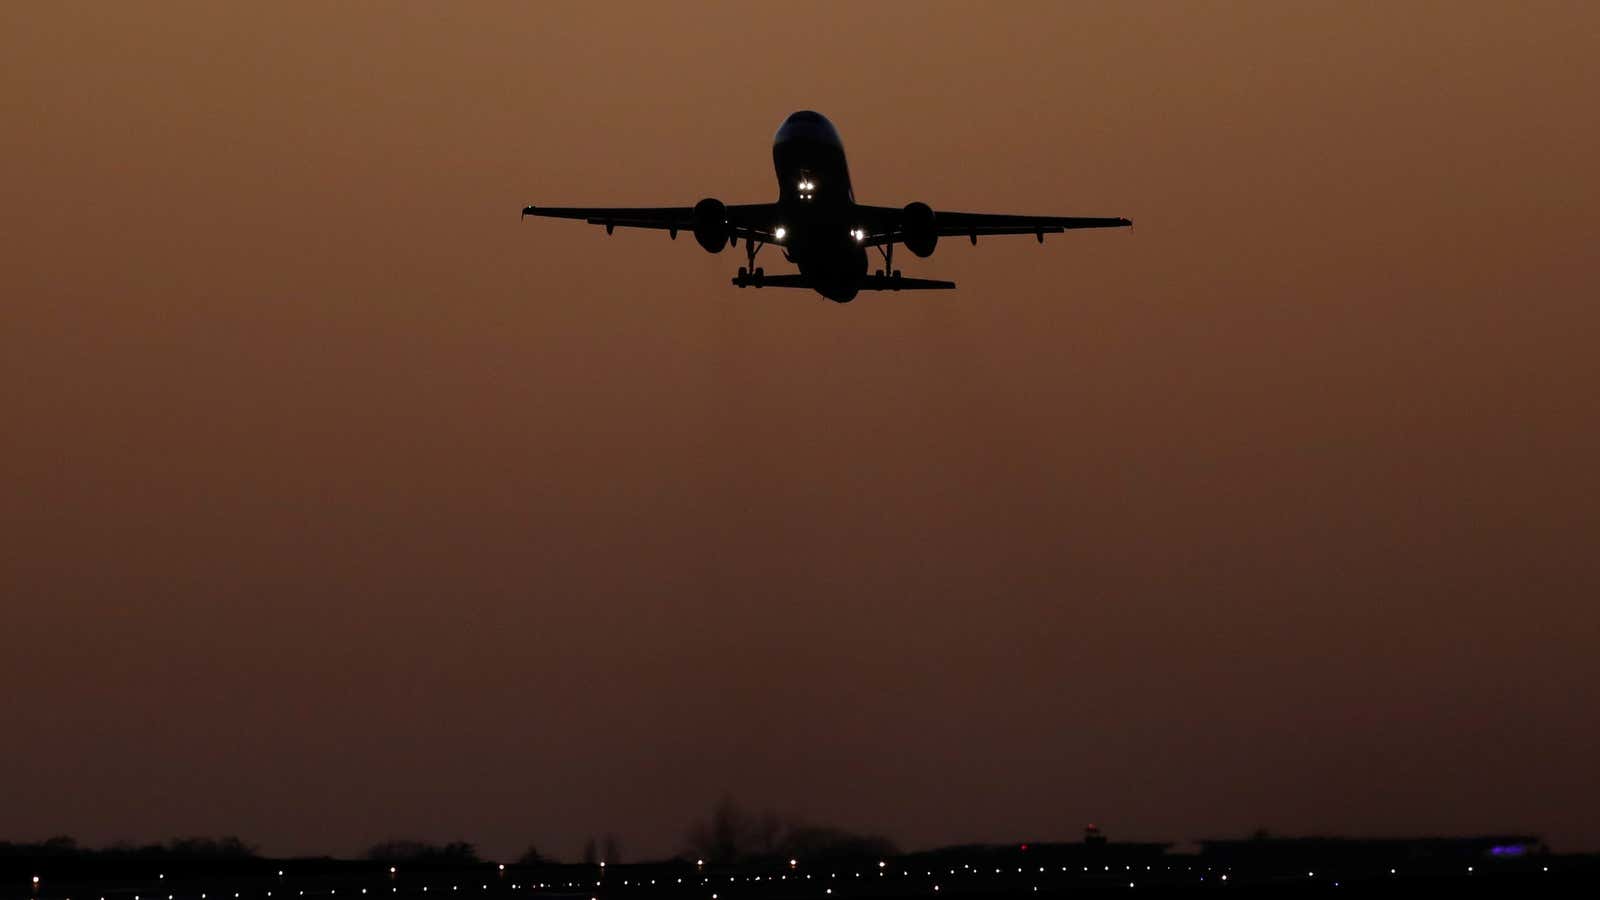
{"x":177,"y":849}
{"x":735,"y":835}
{"x":179,"y":857}
{"x":730,"y":834}
{"x":422,"y":852}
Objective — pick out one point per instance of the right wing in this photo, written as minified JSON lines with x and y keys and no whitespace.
{"x":750,"y":220}
{"x":883,"y":224}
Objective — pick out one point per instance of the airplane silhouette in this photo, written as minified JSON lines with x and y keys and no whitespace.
{"x":817,"y":222}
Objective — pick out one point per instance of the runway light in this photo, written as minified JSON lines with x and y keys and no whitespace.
{"x":778,"y":233}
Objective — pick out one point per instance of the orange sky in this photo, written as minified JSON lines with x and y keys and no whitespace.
{"x":336,"y":504}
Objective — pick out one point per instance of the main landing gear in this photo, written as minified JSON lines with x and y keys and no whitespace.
{"x":887,"y":252}
{"x":750,"y":275}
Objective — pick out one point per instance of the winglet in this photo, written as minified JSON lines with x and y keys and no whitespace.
{"x":525,"y":211}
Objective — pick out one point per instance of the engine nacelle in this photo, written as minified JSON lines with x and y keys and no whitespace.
{"x":916,"y":222}
{"x":711,"y":224}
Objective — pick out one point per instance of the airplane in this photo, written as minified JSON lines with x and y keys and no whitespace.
{"x":817,"y":223}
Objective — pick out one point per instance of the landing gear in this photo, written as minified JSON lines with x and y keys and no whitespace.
{"x":751,"y":248}
{"x":887,"y":252}
{"x":751,"y":274}
{"x":888,"y":273}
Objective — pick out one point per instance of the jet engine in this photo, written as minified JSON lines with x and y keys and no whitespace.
{"x":711,"y":224}
{"x":916,"y":222}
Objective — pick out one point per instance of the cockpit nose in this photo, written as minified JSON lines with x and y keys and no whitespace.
{"x":808,"y":126}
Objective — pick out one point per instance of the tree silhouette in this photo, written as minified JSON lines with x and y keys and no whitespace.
{"x":733,"y":835}
{"x":531,"y":857}
{"x":411,"y":851}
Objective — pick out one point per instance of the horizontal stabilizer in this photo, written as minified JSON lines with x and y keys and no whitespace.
{"x":869,"y":283}
{"x":889,"y":283}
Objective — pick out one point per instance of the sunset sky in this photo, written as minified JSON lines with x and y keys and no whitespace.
{"x":336,"y":504}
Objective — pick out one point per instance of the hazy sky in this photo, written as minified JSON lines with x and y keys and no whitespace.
{"x":336,"y":504}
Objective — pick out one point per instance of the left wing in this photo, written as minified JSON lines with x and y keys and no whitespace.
{"x":884,"y":224}
{"x":749,"y":220}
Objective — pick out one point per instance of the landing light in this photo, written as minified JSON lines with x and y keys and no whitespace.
{"x":779,"y":232}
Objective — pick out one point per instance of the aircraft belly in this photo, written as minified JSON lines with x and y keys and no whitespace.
{"x":837,"y":270}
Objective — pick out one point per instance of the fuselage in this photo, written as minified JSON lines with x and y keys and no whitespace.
{"x":816,"y":205}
